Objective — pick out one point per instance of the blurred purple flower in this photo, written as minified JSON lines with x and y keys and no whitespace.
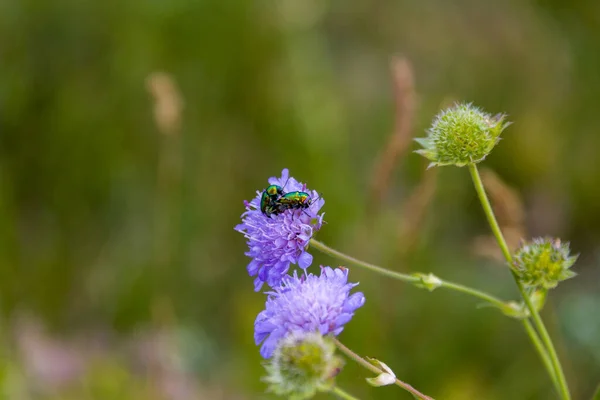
{"x":308,"y":303}
{"x":277,"y":241}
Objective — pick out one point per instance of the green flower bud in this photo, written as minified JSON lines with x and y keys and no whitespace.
{"x":302,"y":364}
{"x":543,"y":263}
{"x":461,"y":135}
{"x":427,"y":281}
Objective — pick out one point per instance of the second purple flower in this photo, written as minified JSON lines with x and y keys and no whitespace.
{"x":307,"y":303}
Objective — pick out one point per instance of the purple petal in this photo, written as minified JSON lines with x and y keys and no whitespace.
{"x":260,"y":335}
{"x":253,"y":267}
{"x":338,"y":331}
{"x":269,"y":345}
{"x":328,"y":272}
{"x":240,"y":227}
{"x":263,"y":273}
{"x":343,"y":319}
{"x":324,"y":329}
{"x":257,"y":284}
{"x":355,"y":301}
{"x":305,"y":235}
{"x":342,"y":274}
{"x":305,"y":260}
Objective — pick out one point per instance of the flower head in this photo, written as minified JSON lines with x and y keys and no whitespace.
{"x":308,"y":303}
{"x":280,"y":239}
{"x":302,"y":364}
{"x":461,"y":135}
{"x":543,"y":263}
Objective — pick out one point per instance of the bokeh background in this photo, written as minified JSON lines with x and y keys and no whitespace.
{"x":131,"y":132}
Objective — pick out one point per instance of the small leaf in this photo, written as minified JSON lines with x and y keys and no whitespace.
{"x":380,"y":365}
{"x":425,"y":142}
{"x":381,"y":380}
{"x":427,"y":153}
{"x":538,"y":298}
{"x":429,"y":281}
{"x":385,"y":378}
{"x":568,"y":274}
{"x":515,"y":310}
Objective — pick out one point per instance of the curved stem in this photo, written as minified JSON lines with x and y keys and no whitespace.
{"x":378,"y":371}
{"x":342,"y":394}
{"x":537,"y":320}
{"x":405,"y":277}
{"x":322,"y":247}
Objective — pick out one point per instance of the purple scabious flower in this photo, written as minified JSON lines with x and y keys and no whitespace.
{"x":279,"y":240}
{"x":308,"y":303}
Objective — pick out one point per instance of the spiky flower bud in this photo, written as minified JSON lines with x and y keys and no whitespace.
{"x":302,"y":364}
{"x":543,"y":263}
{"x":461,"y":135}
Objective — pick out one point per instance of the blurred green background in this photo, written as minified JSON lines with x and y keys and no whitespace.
{"x":132,"y":131}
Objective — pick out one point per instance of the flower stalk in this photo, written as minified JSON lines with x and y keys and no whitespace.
{"x":377,"y":370}
{"x":415,"y":279}
{"x":342,"y":394}
{"x":505,"y":307}
{"x":537,"y":320}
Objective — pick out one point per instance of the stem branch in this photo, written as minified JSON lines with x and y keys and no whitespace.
{"x":378,"y":371}
{"x":342,"y":394}
{"x":405,"y":277}
{"x":558,"y":375}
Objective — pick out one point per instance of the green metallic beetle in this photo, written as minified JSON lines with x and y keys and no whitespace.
{"x":293,"y":201}
{"x":269,"y":198}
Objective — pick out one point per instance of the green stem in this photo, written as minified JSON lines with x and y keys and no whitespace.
{"x":378,"y":371}
{"x":537,"y":320}
{"x":351,"y":260}
{"x":539,"y":346}
{"x":405,"y":277}
{"x":474,"y":292}
{"x":449,"y":285}
{"x":342,"y":394}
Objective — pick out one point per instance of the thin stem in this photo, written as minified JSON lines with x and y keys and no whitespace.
{"x":404,"y":277}
{"x":545,"y":336}
{"x":342,"y":394}
{"x":537,"y":320}
{"x":474,"y":292}
{"x":539,"y":346}
{"x":351,"y":260}
{"x":378,"y":371}
{"x":449,"y":285}
{"x":489,"y":213}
